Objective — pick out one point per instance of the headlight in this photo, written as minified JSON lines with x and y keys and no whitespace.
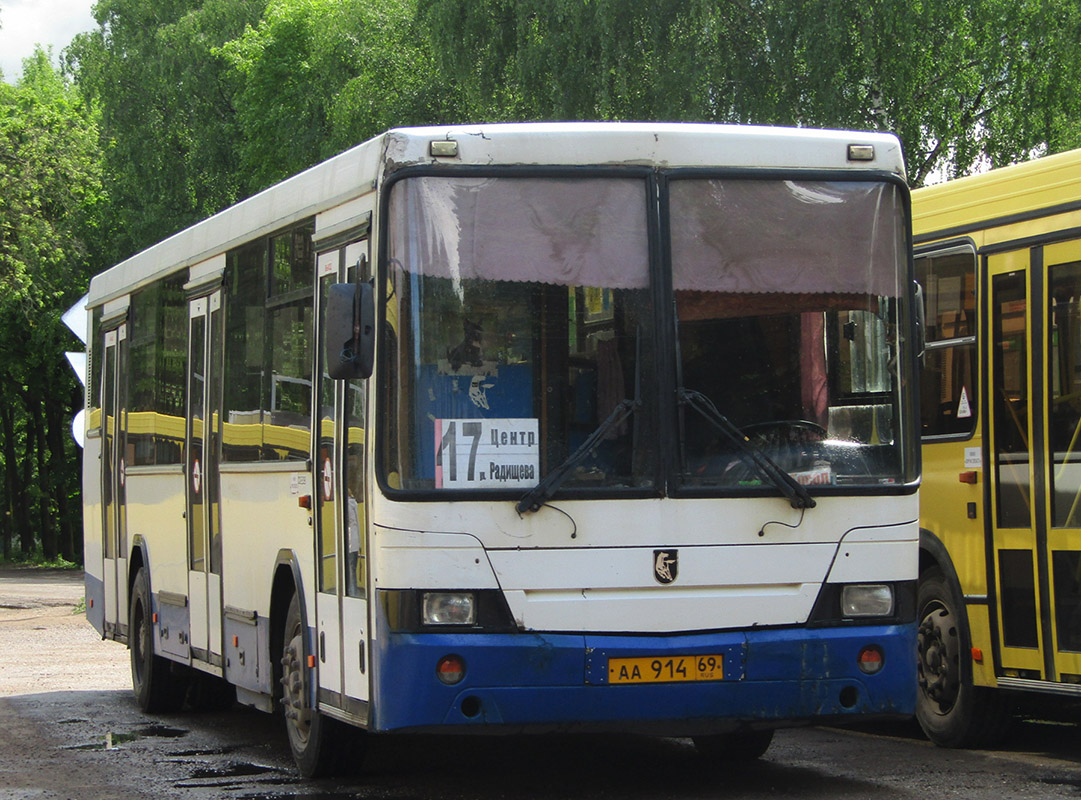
{"x":867,"y":600}
{"x":448,"y":608}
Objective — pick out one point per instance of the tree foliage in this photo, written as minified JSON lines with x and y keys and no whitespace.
{"x":962,"y":82}
{"x":173,"y":109}
{"x":315,"y":77}
{"x":167,"y":118}
{"x":51,"y":201}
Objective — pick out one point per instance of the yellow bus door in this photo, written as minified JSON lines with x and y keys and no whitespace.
{"x":1034,"y":370}
{"x":1062,"y":378}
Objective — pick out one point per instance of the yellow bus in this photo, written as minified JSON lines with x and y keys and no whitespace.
{"x":998,"y":258}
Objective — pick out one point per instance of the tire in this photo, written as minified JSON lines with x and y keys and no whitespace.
{"x":319,"y":743}
{"x":159,"y":685}
{"x":950,"y":709}
{"x":743,"y":745}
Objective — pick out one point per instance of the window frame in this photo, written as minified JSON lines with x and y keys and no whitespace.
{"x":939,"y":250}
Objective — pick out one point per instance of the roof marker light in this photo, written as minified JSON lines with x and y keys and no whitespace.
{"x":861,"y":152}
{"x":443,"y":148}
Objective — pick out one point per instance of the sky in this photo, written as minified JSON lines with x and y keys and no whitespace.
{"x":24,"y":23}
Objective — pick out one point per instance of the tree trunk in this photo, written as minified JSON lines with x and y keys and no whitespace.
{"x":25,"y":529}
{"x":14,"y":510}
{"x":46,"y":483}
{"x":65,"y":474}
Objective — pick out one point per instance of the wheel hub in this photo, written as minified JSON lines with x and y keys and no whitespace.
{"x":939,"y":662}
{"x":294,"y":690}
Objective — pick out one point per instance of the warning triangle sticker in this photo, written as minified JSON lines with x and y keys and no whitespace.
{"x":964,"y":410}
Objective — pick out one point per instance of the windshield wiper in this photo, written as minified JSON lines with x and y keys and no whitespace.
{"x":765,"y":466}
{"x":539,"y":494}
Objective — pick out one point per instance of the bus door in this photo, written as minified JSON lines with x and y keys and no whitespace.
{"x":113,"y":467}
{"x":1062,"y":262}
{"x":203,"y":442}
{"x":1035,"y":404}
{"x":340,"y":518}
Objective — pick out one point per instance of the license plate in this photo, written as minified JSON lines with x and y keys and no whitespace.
{"x":665,"y":669}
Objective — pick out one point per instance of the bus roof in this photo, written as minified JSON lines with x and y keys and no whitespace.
{"x":357,"y":171}
{"x":999,"y":197}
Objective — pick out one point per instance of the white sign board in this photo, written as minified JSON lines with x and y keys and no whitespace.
{"x":486,"y":453}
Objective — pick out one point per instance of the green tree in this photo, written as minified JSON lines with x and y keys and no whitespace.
{"x":51,"y":201}
{"x":167,"y":118}
{"x":960,"y":81}
{"x":315,"y":77}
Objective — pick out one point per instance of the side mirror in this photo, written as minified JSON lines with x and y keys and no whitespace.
{"x":350,"y":331}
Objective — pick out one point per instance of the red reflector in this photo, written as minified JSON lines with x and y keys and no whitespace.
{"x":967,"y":477}
{"x":236,"y":641}
{"x":870,"y":659}
{"x":305,"y":501}
{"x":154,"y":617}
{"x":91,"y":602}
{"x":977,"y":655}
{"x":450,"y":669}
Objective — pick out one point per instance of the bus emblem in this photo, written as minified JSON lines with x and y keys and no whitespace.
{"x":665,"y":565}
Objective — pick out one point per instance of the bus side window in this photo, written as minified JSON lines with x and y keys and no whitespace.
{"x":947,"y":384}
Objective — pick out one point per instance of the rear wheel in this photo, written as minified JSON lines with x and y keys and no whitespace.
{"x":950,"y":709}
{"x":157,"y":683}
{"x":319,"y":743}
{"x":743,"y":745}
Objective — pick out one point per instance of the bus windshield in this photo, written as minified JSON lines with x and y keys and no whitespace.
{"x":787,"y":295}
{"x":520,"y":320}
{"x":523,"y":320}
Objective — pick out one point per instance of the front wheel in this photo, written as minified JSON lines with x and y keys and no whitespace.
{"x":319,"y":744}
{"x":158,"y":683}
{"x":950,"y":709}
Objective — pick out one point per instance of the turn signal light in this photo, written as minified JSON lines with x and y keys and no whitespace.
{"x":450,"y":669}
{"x":870,"y":659}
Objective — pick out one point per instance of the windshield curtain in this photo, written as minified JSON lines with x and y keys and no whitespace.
{"x":788,"y":298}
{"x":518,"y":318}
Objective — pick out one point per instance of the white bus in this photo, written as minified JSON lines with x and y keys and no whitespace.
{"x":520,"y":428}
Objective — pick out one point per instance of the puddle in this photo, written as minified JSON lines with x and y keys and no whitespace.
{"x":223,"y":775}
{"x":113,"y":739}
{"x":213,"y":751}
{"x":233,"y":770}
{"x":304,"y":796}
{"x":1074,"y":782}
{"x":161,"y":731}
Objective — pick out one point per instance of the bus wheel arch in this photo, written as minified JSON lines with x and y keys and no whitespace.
{"x":286,"y":584}
{"x":317,"y":742}
{"x":137,"y":561}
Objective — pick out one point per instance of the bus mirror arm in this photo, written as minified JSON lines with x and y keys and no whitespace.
{"x":350,"y":331}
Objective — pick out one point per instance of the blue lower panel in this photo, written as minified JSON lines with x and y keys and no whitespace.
{"x":559,"y":681}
